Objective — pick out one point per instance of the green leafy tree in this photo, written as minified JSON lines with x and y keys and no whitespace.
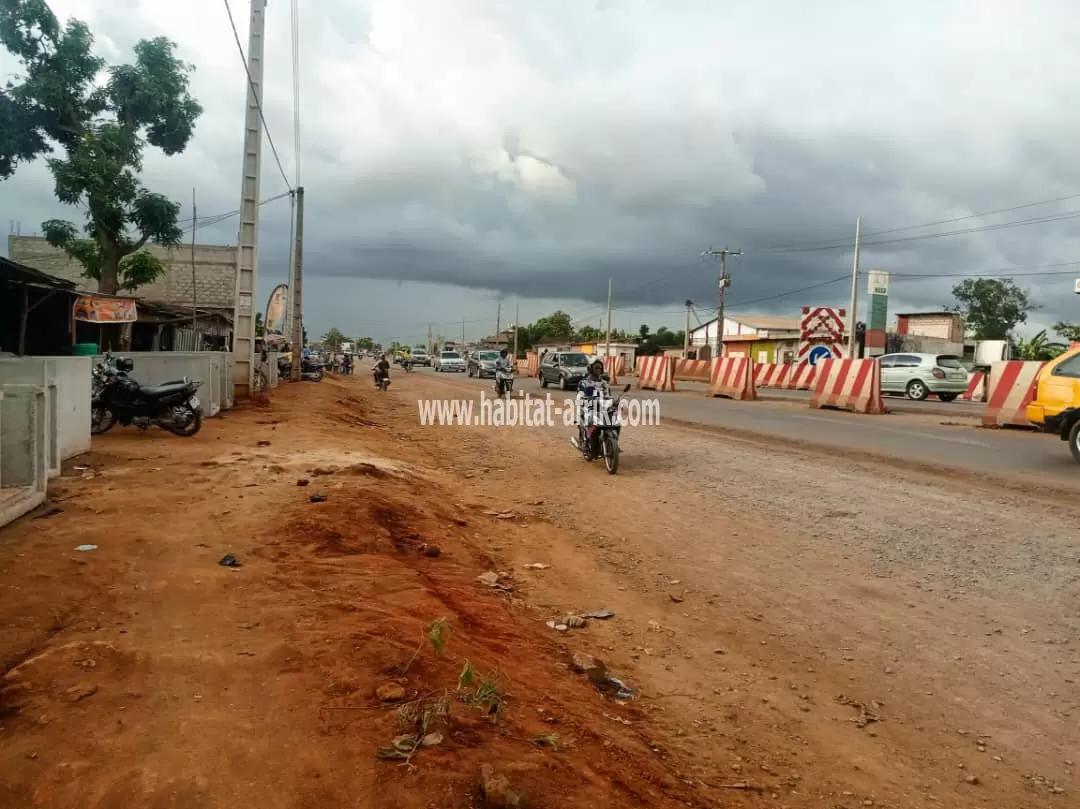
{"x":333,"y":339}
{"x":589,"y":334}
{"x":364,"y":343}
{"x":556,"y":326}
{"x":100,"y":119}
{"x":1039,"y":348}
{"x":991,"y":307}
{"x":1067,"y":331}
{"x":260,"y":330}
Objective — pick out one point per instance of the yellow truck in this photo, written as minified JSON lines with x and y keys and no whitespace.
{"x":1055,"y":407}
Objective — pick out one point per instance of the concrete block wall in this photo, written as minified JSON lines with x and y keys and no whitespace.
{"x":23,"y":450}
{"x":212,"y":368}
{"x":214,"y":282}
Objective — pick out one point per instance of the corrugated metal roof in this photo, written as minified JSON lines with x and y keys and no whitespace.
{"x":15,"y":271}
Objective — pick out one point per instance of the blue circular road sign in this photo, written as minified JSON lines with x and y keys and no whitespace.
{"x":819,"y":353}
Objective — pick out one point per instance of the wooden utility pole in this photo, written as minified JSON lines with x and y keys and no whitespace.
{"x":686,"y":331}
{"x":297,"y":287}
{"x":517,"y":328}
{"x":722,"y":286}
{"x":607,"y":339}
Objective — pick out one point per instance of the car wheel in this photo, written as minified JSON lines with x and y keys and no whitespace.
{"x":948,"y":397}
{"x":543,"y":381}
{"x":1074,"y":440}
{"x":562,"y":383}
{"x":916,"y":390}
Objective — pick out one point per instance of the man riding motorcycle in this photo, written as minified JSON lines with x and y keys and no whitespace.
{"x":381,"y":369}
{"x":503,"y":369}
{"x":592,"y":390}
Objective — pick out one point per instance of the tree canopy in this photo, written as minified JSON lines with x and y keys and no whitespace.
{"x":333,"y":339}
{"x":1067,"y":331}
{"x":991,"y":307}
{"x":101,"y":126}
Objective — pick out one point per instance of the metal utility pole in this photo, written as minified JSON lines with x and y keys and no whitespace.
{"x":854,"y":294}
{"x":296,"y":285}
{"x":194,"y":276}
{"x":607,"y":340}
{"x":498,"y":322}
{"x":686,"y":331}
{"x":722,"y":286}
{"x":462,"y":335}
{"x":247,"y":270}
{"x":429,"y":346}
{"x":517,"y":328}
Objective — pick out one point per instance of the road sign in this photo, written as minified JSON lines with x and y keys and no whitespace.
{"x":819,"y":353}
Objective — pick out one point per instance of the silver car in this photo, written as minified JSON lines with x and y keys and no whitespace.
{"x":482,"y":364}
{"x":449,"y":362}
{"x":920,"y":375}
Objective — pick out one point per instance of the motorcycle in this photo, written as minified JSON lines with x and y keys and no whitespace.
{"x":504,"y":382}
{"x":382,"y":381}
{"x":598,"y":434}
{"x":406,"y":366}
{"x":117,"y":398}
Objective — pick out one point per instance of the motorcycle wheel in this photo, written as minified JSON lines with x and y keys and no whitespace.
{"x":611,"y":452}
{"x":101,"y":420}
{"x":193,"y":423}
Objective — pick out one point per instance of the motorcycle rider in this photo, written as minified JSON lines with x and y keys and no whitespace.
{"x":381,"y":369}
{"x":502,"y":366}
{"x":592,"y":391}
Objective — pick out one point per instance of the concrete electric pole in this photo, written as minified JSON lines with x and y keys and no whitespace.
{"x":722,"y":286}
{"x":297,"y":287}
{"x":517,"y":328}
{"x":498,"y":322}
{"x":607,"y":339}
{"x":854,"y":293}
{"x":247,"y":270}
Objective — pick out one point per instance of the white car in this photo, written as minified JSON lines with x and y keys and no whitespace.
{"x":449,"y":362}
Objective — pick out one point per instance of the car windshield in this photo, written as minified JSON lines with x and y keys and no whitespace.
{"x":419,"y":352}
{"x":574,"y":360}
{"x":488,"y":355}
{"x":949,"y":361}
{"x":449,"y":355}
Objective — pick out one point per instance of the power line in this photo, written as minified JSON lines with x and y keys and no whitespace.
{"x":255,"y":95}
{"x":846,"y":242}
{"x":189,"y":224}
{"x":295,"y":30}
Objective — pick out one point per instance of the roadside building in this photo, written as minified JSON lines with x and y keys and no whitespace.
{"x":764,"y":338}
{"x":928,"y":332}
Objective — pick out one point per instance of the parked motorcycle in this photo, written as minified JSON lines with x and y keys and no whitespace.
{"x":117,"y":398}
{"x":504,"y":382}
{"x":598,"y":434}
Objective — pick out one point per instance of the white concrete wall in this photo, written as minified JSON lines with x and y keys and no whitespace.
{"x":72,"y":382}
{"x":23,"y":449}
{"x":212,"y":368}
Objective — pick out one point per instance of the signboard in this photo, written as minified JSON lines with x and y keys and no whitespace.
{"x":95,"y":309}
{"x":821,"y":334}
{"x":877,"y":283}
{"x":878,"y":314}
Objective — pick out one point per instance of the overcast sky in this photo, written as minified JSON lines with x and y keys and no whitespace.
{"x":459,"y":152}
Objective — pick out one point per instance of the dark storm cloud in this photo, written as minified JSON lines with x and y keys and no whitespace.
{"x":534,"y":151}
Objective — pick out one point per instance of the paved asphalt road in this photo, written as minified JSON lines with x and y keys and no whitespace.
{"x":1005,"y":453}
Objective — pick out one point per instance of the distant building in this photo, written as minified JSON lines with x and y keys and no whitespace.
{"x":764,"y":338}
{"x":928,"y":332}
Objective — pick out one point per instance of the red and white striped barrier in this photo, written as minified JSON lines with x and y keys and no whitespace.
{"x":654,"y":373}
{"x":976,"y":389}
{"x":692,"y":371}
{"x":853,"y":385}
{"x":615,"y":366}
{"x":733,"y":377}
{"x":771,"y":374}
{"x":1009,"y":390}
{"x":532,"y":363}
{"x":800,"y":377}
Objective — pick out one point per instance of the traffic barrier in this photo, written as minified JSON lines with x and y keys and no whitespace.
{"x":615,"y":366}
{"x":799,"y":377}
{"x":654,"y":373}
{"x":1009,"y":390}
{"x":733,"y":377}
{"x":523,"y":367}
{"x":853,"y":385}
{"x":692,"y":371}
{"x":771,"y":374}
{"x":976,"y":389}
{"x":532,"y":363}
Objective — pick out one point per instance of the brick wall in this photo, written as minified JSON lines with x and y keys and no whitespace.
{"x":215,"y":271}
